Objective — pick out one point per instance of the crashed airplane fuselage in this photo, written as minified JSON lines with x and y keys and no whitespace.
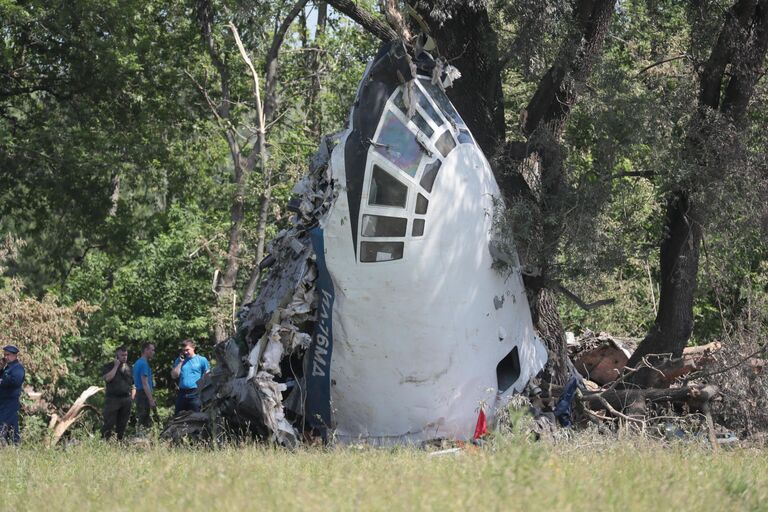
{"x":412,"y":329}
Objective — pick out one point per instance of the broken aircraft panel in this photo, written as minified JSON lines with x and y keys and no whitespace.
{"x":380,"y":316}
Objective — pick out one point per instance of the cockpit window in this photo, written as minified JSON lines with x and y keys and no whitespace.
{"x":421,"y":204}
{"x":423,"y":125}
{"x":380,"y":251}
{"x":418,"y":227}
{"x":398,"y":144}
{"x":386,"y":190}
{"x":427,"y":107}
{"x":379,"y":225}
{"x":445,"y":143}
{"x":429,"y":175}
{"x":465,"y":137}
{"x":442,"y":101}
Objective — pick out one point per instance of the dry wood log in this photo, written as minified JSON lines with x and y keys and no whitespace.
{"x":633,"y":401}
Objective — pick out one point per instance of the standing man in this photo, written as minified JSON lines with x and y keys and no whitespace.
{"x":11,"y":379}
{"x":145,"y":385}
{"x":189,"y":368}
{"x":117,"y":404}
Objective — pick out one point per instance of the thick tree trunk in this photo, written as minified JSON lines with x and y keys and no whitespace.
{"x":544,"y":122}
{"x":679,"y":261}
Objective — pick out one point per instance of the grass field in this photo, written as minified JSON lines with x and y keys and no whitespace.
{"x":506,"y":474}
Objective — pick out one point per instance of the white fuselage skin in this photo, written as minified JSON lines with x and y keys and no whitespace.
{"x":417,"y":340}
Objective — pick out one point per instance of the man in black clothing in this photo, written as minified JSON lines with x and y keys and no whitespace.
{"x":119,"y":395}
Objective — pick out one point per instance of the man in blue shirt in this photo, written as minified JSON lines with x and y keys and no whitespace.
{"x":145,"y":385}
{"x":189,"y":368}
{"x":11,"y":379}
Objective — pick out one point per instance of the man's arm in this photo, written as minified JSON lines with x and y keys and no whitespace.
{"x":147,"y":391}
{"x":111,"y":373}
{"x":176,"y":371}
{"x":12,"y":378}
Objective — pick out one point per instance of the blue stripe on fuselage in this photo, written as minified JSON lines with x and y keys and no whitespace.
{"x":317,"y":362}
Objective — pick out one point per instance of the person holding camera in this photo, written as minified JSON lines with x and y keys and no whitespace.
{"x":145,"y":385}
{"x":119,"y":394}
{"x":189,"y":368}
{"x":11,"y":379}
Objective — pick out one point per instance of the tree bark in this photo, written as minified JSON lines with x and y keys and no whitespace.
{"x":679,"y":260}
{"x":547,"y":322}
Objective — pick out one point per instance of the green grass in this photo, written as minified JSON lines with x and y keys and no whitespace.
{"x":507,"y":474}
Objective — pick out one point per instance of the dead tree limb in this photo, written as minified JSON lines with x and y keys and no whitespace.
{"x":620,"y":399}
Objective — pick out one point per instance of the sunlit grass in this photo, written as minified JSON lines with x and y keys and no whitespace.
{"x":506,"y":474}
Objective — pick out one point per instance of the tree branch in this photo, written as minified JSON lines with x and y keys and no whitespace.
{"x":579,"y":302}
{"x":634,"y":174}
{"x":376,"y":27}
{"x":659,"y":63}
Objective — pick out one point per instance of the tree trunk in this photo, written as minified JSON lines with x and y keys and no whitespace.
{"x":679,"y":260}
{"x":544,"y":122}
{"x":547,"y":322}
{"x":467,"y":39}
{"x":314,"y":112}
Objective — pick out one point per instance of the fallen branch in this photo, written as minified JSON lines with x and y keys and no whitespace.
{"x":60,"y":425}
{"x":620,"y":399}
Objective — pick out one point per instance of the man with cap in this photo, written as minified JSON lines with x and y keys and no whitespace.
{"x":119,"y":390}
{"x":11,"y":378}
{"x":189,"y":368}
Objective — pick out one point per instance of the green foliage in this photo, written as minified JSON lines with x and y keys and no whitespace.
{"x":161,"y":294}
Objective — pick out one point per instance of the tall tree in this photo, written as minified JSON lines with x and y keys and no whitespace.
{"x":247,"y":151}
{"x":726,"y":86}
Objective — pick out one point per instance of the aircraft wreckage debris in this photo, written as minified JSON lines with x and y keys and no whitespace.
{"x":383,"y":315}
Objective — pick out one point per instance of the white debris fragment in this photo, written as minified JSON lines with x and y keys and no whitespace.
{"x":451,"y":75}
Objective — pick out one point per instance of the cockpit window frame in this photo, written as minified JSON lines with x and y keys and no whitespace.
{"x":430,"y":154}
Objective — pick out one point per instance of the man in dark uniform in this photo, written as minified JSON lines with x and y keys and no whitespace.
{"x":11,"y":379}
{"x":117,"y":404}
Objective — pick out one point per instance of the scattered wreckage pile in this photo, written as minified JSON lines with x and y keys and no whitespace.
{"x":686,"y":390}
